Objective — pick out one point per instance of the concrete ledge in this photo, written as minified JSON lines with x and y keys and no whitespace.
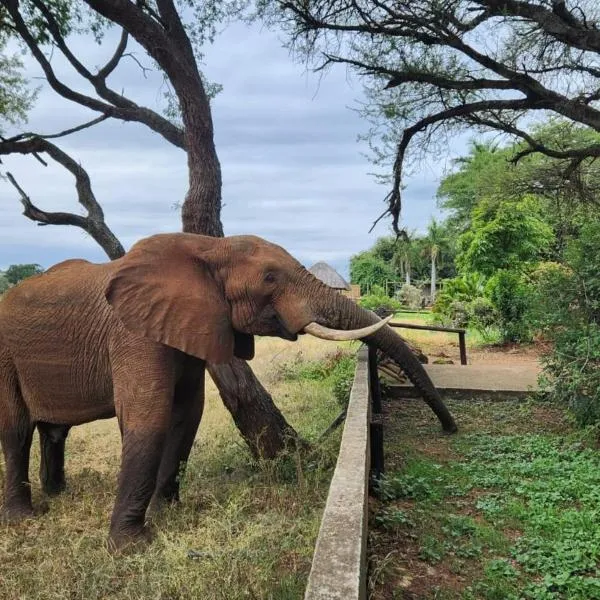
{"x":481,"y":381}
{"x":339,"y":563}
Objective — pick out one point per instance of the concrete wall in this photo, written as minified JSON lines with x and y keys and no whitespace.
{"x":339,"y":563}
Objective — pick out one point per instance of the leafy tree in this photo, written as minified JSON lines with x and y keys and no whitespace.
{"x":15,"y":96}
{"x":480,"y":174}
{"x":3,"y":283}
{"x":490,"y":172}
{"x":504,"y":236}
{"x":16,"y":273}
{"x":429,"y":73}
{"x":368,"y":270}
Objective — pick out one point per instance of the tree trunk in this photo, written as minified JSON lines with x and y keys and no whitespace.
{"x":165,"y":39}
{"x":258,"y":419}
{"x":433,"y":277}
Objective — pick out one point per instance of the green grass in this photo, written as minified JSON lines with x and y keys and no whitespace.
{"x":507,"y":509}
{"x":244,"y":529}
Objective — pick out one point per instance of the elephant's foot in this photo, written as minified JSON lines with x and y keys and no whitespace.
{"x":159,"y":503}
{"x":54,"y":487}
{"x":15,"y":513}
{"x":129,"y":540}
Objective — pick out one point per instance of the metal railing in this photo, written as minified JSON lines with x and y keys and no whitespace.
{"x":461,"y":335}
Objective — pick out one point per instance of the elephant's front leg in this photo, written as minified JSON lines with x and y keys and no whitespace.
{"x":187,"y":412}
{"x":144,"y":410}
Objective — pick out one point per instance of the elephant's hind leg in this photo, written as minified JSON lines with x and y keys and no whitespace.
{"x":185,"y":419}
{"x":52,"y":457}
{"x":16,"y":431}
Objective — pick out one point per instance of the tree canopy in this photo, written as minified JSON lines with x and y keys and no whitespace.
{"x":435,"y":67}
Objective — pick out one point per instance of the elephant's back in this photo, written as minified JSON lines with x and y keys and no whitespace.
{"x":55,"y":328}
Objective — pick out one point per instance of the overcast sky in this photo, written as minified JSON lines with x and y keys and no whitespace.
{"x":293,"y":170}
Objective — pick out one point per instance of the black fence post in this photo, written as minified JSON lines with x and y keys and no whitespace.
{"x":377,"y":464}
{"x":374,"y":381}
{"x":463,"y":347}
{"x":376,"y":426}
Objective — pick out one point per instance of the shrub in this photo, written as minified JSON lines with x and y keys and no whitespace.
{"x":462,"y":289}
{"x":458,"y":313}
{"x":567,"y":310}
{"x":482,"y":317}
{"x":3,"y":283}
{"x":410,"y":296}
{"x":379,"y":299}
{"x":511,"y":297}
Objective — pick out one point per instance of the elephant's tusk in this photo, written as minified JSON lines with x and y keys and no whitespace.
{"x":342,"y":335}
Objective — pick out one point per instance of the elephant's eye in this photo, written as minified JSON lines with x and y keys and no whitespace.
{"x":270,"y":278}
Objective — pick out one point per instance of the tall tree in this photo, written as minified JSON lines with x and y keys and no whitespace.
{"x":430,"y":73}
{"x":43,"y":26}
{"x":434,"y":240}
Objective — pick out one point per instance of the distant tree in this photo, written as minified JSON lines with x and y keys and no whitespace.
{"x":3,"y":283}
{"x":435,"y":242}
{"x":504,"y":236}
{"x":368,"y":270}
{"x":16,"y":273}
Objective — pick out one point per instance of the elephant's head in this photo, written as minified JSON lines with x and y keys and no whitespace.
{"x":208,"y":296}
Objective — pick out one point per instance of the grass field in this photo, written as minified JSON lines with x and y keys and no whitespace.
{"x":506,"y":509}
{"x":244,"y":529}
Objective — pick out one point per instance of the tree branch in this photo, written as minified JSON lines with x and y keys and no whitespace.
{"x":394,"y":199}
{"x":118,"y":106}
{"x":50,"y":136}
{"x":558,"y":23}
{"x":93,"y":223}
{"x":111,"y":65}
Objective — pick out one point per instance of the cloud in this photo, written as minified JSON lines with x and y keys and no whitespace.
{"x":293,"y":170}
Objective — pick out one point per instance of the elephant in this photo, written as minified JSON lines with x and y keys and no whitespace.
{"x":130,"y":338}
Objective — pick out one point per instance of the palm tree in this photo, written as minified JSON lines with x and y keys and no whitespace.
{"x":403,"y":256}
{"x":435,"y":240}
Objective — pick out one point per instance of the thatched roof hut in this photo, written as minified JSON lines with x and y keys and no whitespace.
{"x":327,"y":274}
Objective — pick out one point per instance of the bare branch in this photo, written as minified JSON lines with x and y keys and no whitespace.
{"x":93,"y":223}
{"x":42,"y":217}
{"x":111,"y":65}
{"x":116,"y":105}
{"x":50,"y":136}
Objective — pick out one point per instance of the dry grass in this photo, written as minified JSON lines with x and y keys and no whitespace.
{"x":243,"y":530}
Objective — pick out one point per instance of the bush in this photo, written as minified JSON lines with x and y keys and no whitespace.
{"x":458,"y":313}
{"x":3,"y":283}
{"x":461,"y":290}
{"x":410,"y":296}
{"x":511,"y":298}
{"x":567,"y":311}
{"x":482,"y":317}
{"x":378,"y":299}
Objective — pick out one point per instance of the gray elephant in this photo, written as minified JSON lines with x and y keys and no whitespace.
{"x":130,"y":338}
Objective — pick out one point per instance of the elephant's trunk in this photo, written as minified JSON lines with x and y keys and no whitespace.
{"x":331,"y":309}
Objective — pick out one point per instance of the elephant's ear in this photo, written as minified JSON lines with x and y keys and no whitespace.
{"x":164,"y":292}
